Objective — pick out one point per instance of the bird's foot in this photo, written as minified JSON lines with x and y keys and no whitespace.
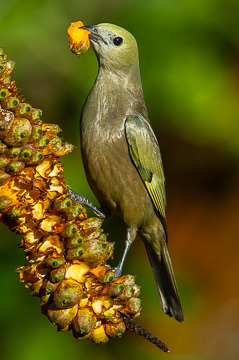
{"x":82,"y":200}
{"x":117,"y":272}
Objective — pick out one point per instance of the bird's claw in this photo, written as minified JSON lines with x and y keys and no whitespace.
{"x":117,"y":272}
{"x":82,"y":200}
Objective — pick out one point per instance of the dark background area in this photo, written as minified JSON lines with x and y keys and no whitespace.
{"x":189,"y":59}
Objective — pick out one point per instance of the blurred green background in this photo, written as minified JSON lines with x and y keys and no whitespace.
{"x":189,"y":52}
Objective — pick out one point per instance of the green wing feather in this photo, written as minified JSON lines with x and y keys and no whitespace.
{"x":145,"y":153}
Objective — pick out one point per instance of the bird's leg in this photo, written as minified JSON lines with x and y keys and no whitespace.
{"x":101,"y":213}
{"x":131,"y":235}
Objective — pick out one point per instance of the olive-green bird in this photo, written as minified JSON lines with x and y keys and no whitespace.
{"x":121,"y":154}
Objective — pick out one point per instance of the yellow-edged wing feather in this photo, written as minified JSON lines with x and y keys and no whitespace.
{"x":145,"y":153}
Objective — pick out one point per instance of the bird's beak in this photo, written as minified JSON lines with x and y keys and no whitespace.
{"x":94,"y":36}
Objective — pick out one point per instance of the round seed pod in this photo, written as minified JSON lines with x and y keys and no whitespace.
{"x":97,"y":251}
{"x":19,"y":132}
{"x":84,"y":322}
{"x":61,"y":317}
{"x":67,"y":294}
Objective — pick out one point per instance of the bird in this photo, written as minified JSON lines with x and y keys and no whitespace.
{"x":121,"y":155}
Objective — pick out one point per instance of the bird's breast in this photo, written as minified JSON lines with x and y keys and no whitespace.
{"x":112,"y":175}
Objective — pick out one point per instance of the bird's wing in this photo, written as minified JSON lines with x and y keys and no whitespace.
{"x":145,"y":154}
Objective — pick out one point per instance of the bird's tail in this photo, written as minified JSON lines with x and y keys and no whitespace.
{"x":165,"y":280}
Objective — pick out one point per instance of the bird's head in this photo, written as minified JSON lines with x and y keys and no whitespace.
{"x":114,"y":46}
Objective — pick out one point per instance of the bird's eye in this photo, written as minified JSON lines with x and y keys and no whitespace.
{"x":118,"y":40}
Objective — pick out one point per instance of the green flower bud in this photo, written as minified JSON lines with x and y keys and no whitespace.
{"x":115,"y":289}
{"x":2,"y":69}
{"x":4,"y":93}
{"x":70,"y":230}
{"x":74,"y":242}
{"x":11,"y":103}
{"x":127,"y":293}
{"x":73,"y":254}
{"x":36,"y":114}
{"x":23,"y":109}
{"x":62,"y":205}
{"x":55,"y":262}
{"x":74,"y":211}
{"x":44,"y":141}
{"x":14,"y":152}
{"x":108,"y":277}
{"x":25,"y":154}
{"x":19,"y":132}
{"x":37,"y":133}
{"x":67,"y":294}
{"x":3,"y":57}
{"x":15,"y":166}
{"x":36,"y":158}
{"x":58,"y":274}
